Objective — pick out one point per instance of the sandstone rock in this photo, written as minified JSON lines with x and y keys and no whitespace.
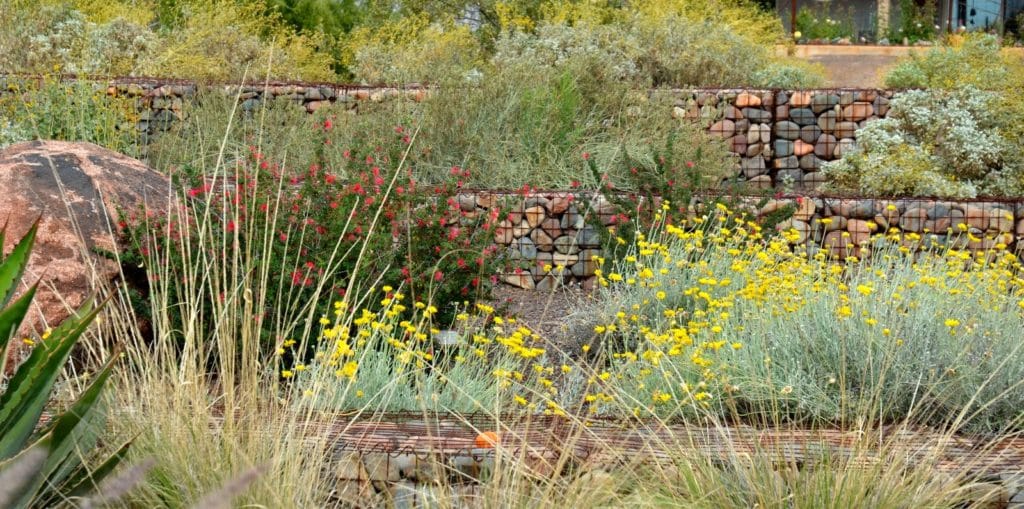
{"x":542,"y":240}
{"x":913,"y":220}
{"x":547,"y":283}
{"x":943,"y":223}
{"x":845,"y":129}
{"x":810,"y":133}
{"x":723,"y":128}
{"x":503,"y":233}
{"x":858,"y":111}
{"x":800,"y":148}
{"x":860,"y":230}
{"x":783,"y":148}
{"x":825,"y":146}
{"x":566,"y":244}
{"x":312,"y":106}
{"x":838,"y":244}
{"x":760,"y":182}
{"x":810,"y":162}
{"x":823,"y":101}
{"x":559,"y":203}
{"x":786,"y":163}
{"x":786,"y":130}
{"x":975,"y":217}
{"x":801,"y":227}
{"x":467,"y":202}
{"x":827,"y":121}
{"x":572,"y":219}
{"x":588,"y":238}
{"x":753,"y":166}
{"x":772,"y":206}
{"x":521,"y":230}
{"x":812,"y":180}
{"x":852,"y":208}
{"x":738,"y":144}
{"x":552,"y":226}
{"x":535,"y":215}
{"x":486,"y":200}
{"x":833,"y":223}
{"x":800,"y":99}
{"x":999,"y":219}
{"x":746,"y":99}
{"x":804,"y":209}
{"x":524,"y":248}
{"x":844,"y":146}
{"x":803,"y":116}
{"x":523,"y":280}
{"x":586,"y":265}
{"x":536,"y":200}
{"x":756,"y":115}
{"x":76,"y":190}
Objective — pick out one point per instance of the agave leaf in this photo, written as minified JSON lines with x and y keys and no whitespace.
{"x":20,"y":496}
{"x":68,"y":437}
{"x":14,"y":265}
{"x":16,"y":473}
{"x":23,"y":402}
{"x":78,"y":427}
{"x":10,"y":319}
{"x":83,"y":481}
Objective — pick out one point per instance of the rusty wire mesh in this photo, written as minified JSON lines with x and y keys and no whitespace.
{"x":408,"y":439}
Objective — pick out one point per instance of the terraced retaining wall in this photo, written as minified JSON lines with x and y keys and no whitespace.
{"x":780,"y":137}
{"x":555,"y":235}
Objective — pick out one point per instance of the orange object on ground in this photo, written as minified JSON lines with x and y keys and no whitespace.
{"x":486,"y":440}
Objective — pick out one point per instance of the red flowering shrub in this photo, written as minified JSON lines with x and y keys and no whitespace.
{"x":335,"y":228}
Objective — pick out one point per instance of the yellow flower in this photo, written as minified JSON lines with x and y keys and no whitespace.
{"x":787,"y":389}
{"x":952,"y":322}
{"x":287,"y":374}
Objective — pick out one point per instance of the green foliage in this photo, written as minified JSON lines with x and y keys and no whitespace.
{"x":652,"y":43}
{"x":50,"y":109}
{"x":222,"y":39}
{"x":824,"y":22}
{"x":917,"y":22}
{"x":975,"y":60}
{"x":44,"y":467}
{"x":933,"y":143}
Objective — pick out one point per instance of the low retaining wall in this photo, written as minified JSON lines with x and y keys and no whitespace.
{"x":553,"y":236}
{"x":781,"y":137}
{"x":784,"y":137}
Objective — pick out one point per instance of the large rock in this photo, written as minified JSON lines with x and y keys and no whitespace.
{"x":76,"y":190}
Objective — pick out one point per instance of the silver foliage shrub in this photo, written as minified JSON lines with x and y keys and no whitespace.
{"x":933,"y":143}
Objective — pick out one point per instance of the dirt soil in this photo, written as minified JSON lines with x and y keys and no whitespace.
{"x":554,"y":315}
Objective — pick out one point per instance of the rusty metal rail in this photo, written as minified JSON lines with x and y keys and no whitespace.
{"x":550,"y":439}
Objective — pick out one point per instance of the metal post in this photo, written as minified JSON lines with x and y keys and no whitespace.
{"x":792,"y":17}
